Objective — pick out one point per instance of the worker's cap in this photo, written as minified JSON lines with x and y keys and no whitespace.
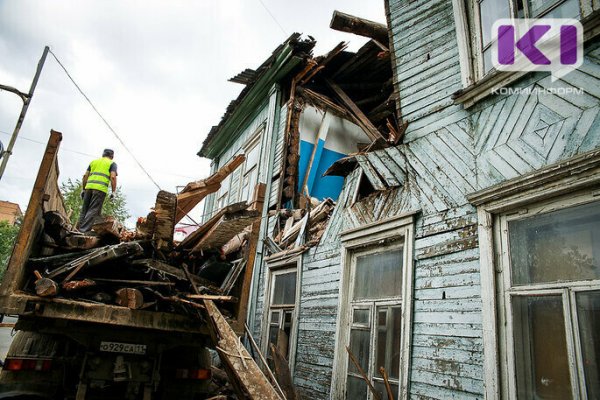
{"x":108,"y":153}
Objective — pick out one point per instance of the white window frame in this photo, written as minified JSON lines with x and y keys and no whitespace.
{"x":476,"y":83}
{"x":254,"y":142}
{"x":570,"y":182}
{"x":393,"y":232}
{"x":274,"y":268}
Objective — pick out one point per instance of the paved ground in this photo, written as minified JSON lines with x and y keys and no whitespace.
{"x":5,"y":337}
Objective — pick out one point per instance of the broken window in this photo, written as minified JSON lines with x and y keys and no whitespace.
{"x":282,"y":312}
{"x":552,"y":301}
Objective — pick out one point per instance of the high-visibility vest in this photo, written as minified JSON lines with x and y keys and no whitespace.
{"x":99,"y":177}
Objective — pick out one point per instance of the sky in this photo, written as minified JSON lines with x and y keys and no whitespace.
{"x":156,"y":70}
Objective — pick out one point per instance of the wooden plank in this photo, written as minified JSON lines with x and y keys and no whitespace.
{"x":242,"y":306}
{"x":370,"y":172}
{"x":194,"y":192}
{"x":363,"y":121}
{"x":178,"y":273}
{"x":225,"y":229}
{"x":245,"y":376}
{"x":165,"y":210}
{"x":193,"y":237}
{"x":15,"y":272}
{"x":283,"y":374}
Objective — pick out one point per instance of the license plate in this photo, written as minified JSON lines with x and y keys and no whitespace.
{"x":127,"y":348}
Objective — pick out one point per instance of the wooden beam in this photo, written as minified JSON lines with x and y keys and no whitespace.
{"x":242,"y":306}
{"x":165,"y":210}
{"x":32,"y":222}
{"x":359,"y":26}
{"x":194,"y":192}
{"x":245,"y":376}
{"x":361,"y":119}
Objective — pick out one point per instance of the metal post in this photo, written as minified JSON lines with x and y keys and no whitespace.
{"x":26,"y":100}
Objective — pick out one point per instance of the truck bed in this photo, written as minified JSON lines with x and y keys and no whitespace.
{"x":14,"y":300}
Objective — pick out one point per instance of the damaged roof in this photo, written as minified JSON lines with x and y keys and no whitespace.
{"x":282,"y":61}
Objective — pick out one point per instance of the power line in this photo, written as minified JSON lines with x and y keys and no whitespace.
{"x":273,"y":17}
{"x":89,"y":155}
{"x":105,"y":121}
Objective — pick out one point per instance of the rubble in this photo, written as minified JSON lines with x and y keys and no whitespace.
{"x":144,"y":268}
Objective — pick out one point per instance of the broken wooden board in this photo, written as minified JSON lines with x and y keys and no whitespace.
{"x":175,"y":272}
{"x":81,"y":242}
{"x":225,"y":229}
{"x":130,"y":298}
{"x":109,"y":227}
{"x":97,"y":257}
{"x":360,"y":118}
{"x":283,"y":374}
{"x":193,"y":237}
{"x":165,"y":209}
{"x":194,"y":192}
{"x":245,"y":376}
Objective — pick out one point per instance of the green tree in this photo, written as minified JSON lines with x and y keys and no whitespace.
{"x":8,"y":235}
{"x":71,"y":192}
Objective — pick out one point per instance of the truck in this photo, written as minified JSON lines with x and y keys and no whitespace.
{"x":72,"y":348}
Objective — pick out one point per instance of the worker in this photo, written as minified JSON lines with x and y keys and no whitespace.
{"x":100,"y":174}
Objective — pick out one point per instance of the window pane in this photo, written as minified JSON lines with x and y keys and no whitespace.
{"x":490,"y":11}
{"x":361,"y":316}
{"x":359,"y":346}
{"x":252,"y":157}
{"x":569,"y":9}
{"x":378,"y":275}
{"x":380,"y":388}
{"x":388,"y":341}
{"x":356,"y":388}
{"x":542,"y":366}
{"x":562,"y":245}
{"x":487,"y":60}
{"x":284,"y":291}
{"x":538,"y":7}
{"x":588,"y":313}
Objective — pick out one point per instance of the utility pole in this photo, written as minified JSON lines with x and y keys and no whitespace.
{"x":26,"y":97}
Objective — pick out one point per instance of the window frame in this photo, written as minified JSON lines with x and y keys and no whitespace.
{"x":274,"y":268}
{"x":255,"y":142}
{"x":569,"y":182}
{"x":506,"y":292}
{"x":394,"y":232}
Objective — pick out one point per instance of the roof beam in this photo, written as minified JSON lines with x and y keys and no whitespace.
{"x":359,"y":26}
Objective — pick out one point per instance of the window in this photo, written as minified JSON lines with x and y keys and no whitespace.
{"x":375,"y":328}
{"x":551,"y":299}
{"x":375,"y":310}
{"x":250,"y":177}
{"x":223,"y":194}
{"x":281,"y":314}
{"x":486,"y":12}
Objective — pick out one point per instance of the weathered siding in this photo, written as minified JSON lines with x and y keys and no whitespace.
{"x":451,"y":152}
{"x":426,"y":57}
{"x":319,"y":306}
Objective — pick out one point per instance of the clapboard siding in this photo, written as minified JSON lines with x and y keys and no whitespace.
{"x":426,"y":56}
{"x":319,"y":303}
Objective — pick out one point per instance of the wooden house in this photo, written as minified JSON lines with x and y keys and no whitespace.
{"x":462,"y":253}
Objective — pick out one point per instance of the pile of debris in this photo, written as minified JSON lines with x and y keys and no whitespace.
{"x":145,"y":269}
{"x":299,"y":229}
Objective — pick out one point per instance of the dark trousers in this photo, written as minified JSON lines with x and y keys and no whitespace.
{"x":92,"y":207}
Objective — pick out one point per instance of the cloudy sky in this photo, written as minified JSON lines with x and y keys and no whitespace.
{"x":157,"y":71}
